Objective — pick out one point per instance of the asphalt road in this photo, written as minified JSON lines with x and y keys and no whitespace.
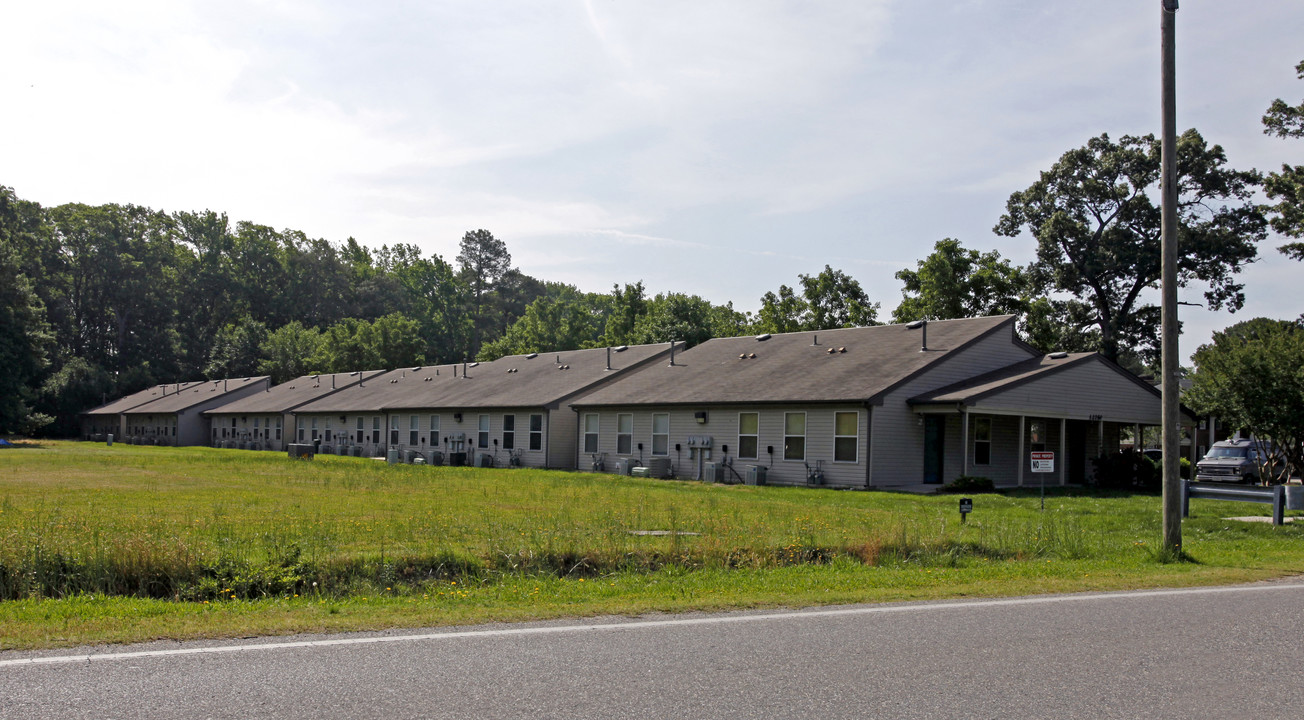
{"x":1204,"y":653}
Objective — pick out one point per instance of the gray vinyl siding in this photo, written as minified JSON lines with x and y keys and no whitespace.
{"x":898,"y":429}
{"x":1084,"y":392}
{"x":722,"y":427}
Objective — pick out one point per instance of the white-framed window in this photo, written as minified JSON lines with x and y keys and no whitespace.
{"x":509,"y":432}
{"x":414,"y":430}
{"x":314,"y":428}
{"x":375,"y":429}
{"x":536,"y":432}
{"x":794,"y":436}
{"x":624,"y":433}
{"x":393,"y":429}
{"x":749,"y":430}
{"x":982,"y":441}
{"x":327,"y":437}
{"x":660,"y":433}
{"x":278,"y":429}
{"x":434,"y":431}
{"x":482,"y":437}
{"x":846,"y":436}
{"x":299,"y":423}
{"x":591,"y":433}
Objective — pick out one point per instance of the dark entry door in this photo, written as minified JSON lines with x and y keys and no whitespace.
{"x":1075,"y":444}
{"x":934,"y":448}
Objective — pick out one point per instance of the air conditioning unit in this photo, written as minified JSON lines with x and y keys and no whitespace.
{"x":391,"y":456}
{"x":436,"y":457}
{"x":625,"y":465}
{"x":484,"y":460}
{"x":412,"y":456}
{"x":711,"y":472}
{"x":755,"y":475}
{"x":659,"y":467}
{"x":300,"y":451}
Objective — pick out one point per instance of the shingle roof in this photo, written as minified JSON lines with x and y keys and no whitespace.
{"x":971,"y":390}
{"x":194,"y":394}
{"x":541,"y":381}
{"x":149,"y":394}
{"x":290,"y":395}
{"x":797,"y":367}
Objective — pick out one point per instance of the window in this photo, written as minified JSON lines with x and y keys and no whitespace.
{"x":1037,"y":434}
{"x":509,"y":432}
{"x":794,"y":436}
{"x":278,"y":429}
{"x":846,"y":436}
{"x":982,"y":441}
{"x":375,"y":429}
{"x":591,"y":433}
{"x":314,"y":428}
{"x":393,"y":429}
{"x":748,"y":429}
{"x":414,"y":429}
{"x":361,"y":430}
{"x":660,"y":433}
{"x":299,"y":422}
{"x":624,"y":433}
{"x":536,"y":432}
{"x":434,"y":431}
{"x":328,"y":430}
{"x":482,"y":439}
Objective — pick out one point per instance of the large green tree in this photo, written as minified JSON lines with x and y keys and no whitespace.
{"x":829,"y":299}
{"x":1097,"y":230}
{"x":288,"y":352}
{"x":1287,"y":186}
{"x":483,"y":260}
{"x":953,"y":282}
{"x":1252,"y":376}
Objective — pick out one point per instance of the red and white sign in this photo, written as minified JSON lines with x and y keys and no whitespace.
{"x":1043,"y":462}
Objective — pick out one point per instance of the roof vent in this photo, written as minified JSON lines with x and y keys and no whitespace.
{"x":1060,"y":355}
{"x":473,"y":364}
{"x":915,"y":325}
{"x":763,"y":337}
{"x":742,"y":356}
{"x":831,"y":351}
{"x":314,"y":377}
{"x":531,"y":356}
{"x":842,"y":349}
{"x":621,"y":348}
{"x":751,"y":356}
{"x":416,"y":369}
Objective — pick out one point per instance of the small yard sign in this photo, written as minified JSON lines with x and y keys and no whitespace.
{"x":1043,"y":462}
{"x":966,"y":507}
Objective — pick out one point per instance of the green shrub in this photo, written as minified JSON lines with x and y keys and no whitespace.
{"x":970,"y":484}
{"x":1126,"y":470}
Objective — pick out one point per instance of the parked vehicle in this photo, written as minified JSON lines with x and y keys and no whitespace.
{"x":1237,"y":460}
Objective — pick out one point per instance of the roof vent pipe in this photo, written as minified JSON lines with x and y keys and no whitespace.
{"x":332,"y":381}
{"x":672,"y":353}
{"x":923,"y":339}
{"x":608,"y":357}
{"x":463,"y":369}
{"x":815,"y":339}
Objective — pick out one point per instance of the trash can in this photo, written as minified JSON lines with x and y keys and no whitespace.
{"x":110,"y":439}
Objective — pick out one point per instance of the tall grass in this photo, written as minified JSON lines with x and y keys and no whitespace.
{"x":201,"y":524}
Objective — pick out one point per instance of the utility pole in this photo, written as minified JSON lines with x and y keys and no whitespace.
{"x":1172,"y":365}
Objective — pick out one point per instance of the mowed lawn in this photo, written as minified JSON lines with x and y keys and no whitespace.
{"x":128,"y":543}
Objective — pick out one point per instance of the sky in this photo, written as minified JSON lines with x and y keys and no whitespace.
{"x":717,"y":148}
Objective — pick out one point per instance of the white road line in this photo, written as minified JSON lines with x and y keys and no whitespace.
{"x":643,"y":624}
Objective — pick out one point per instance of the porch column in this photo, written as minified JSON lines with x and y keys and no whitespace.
{"x":964,"y":441}
{"x":1100,"y":438}
{"x":1019,"y":460}
{"x":1137,"y":445}
{"x":1063,"y":454}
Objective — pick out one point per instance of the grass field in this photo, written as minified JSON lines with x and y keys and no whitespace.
{"x":130,"y":543}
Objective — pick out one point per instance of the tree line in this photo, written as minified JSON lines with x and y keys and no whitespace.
{"x":99,"y":301}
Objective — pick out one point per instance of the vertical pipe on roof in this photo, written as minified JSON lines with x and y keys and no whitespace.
{"x":608,"y":357}
{"x":672,"y":353}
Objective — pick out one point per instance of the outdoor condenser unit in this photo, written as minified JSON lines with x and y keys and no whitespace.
{"x":711,"y":472}
{"x":755,"y":475}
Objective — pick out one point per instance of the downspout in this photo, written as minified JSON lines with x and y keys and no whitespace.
{"x":869,"y":445}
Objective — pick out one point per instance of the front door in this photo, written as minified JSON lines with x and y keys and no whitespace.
{"x":1075,"y":444}
{"x":934,"y":448}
